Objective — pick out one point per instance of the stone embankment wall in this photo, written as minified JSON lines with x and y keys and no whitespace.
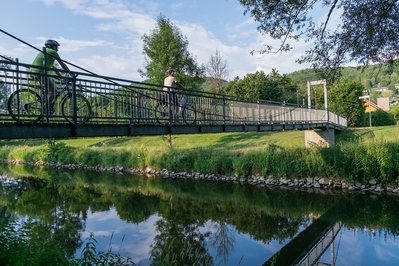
{"x":310,"y":184}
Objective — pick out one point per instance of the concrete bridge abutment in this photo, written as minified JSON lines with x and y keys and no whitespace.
{"x":324,"y":137}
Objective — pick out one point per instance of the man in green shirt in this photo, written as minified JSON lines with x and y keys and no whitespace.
{"x":51,"y":56}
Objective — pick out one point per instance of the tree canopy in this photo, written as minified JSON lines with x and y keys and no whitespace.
{"x":166,"y":47}
{"x":344,"y":99}
{"x":367,"y":32}
{"x":258,"y":85}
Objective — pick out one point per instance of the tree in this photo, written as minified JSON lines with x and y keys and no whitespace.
{"x":166,"y":47}
{"x":273,"y":87}
{"x":343,"y":97}
{"x":395,"y":112}
{"x":367,"y":33}
{"x":217,"y":70}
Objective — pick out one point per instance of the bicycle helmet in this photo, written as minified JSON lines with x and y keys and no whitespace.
{"x":170,"y":70}
{"x":51,"y":43}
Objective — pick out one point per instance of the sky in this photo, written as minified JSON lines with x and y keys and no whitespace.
{"x":105,"y":36}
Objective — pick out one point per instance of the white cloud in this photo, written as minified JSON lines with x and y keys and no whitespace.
{"x":385,"y":251}
{"x":113,"y":66}
{"x":112,"y":45}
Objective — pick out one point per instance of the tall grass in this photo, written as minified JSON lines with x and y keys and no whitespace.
{"x":358,"y":155}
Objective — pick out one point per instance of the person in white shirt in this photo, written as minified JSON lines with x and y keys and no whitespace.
{"x":170,"y":83}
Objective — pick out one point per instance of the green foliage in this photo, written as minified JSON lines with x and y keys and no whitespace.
{"x":373,"y":76}
{"x":90,"y":157}
{"x":246,"y":154}
{"x":54,"y":152}
{"x":17,"y":247}
{"x":209,"y":84}
{"x":5,"y":151}
{"x":273,"y":87}
{"x":380,"y":118}
{"x":395,"y":112}
{"x":344,"y":99}
{"x":5,"y":90}
{"x":366,"y":32}
{"x":92,"y":256}
{"x":175,"y":253}
{"x":166,"y":47}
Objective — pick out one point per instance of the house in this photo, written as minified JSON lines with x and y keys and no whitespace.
{"x":372,"y":106}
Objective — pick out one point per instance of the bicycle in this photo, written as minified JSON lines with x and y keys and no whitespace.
{"x":27,"y":106}
{"x":163,"y":111}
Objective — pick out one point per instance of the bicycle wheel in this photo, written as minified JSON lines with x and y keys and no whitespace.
{"x":189,"y":114}
{"x":162,"y":114}
{"x":83,"y":109}
{"x":25,"y":106}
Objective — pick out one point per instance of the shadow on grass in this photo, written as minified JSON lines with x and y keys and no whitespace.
{"x":351,"y":135}
{"x":26,"y":142}
{"x":115,"y":141}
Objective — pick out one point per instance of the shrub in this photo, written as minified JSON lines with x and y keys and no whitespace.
{"x":379,"y":118}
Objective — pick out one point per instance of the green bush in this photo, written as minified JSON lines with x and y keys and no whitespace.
{"x":90,"y":157}
{"x":5,"y":151}
{"x":379,"y":118}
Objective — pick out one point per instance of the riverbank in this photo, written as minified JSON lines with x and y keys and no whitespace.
{"x":310,"y":184}
{"x":362,"y":160}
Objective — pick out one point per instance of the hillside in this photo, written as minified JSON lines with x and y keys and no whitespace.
{"x":373,"y":76}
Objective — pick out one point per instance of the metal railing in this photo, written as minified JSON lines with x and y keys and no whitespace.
{"x":118,"y":101}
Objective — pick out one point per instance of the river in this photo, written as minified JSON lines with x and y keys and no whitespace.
{"x":194,"y":222}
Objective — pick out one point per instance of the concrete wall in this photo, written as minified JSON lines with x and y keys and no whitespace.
{"x":383,"y":103}
{"x":320,"y":137}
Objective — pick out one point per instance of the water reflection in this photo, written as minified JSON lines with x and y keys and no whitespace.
{"x":153,"y":220}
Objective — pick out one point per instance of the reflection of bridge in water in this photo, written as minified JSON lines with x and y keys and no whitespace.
{"x":117,"y":107}
{"x":309,"y":245}
{"x":313,"y":256}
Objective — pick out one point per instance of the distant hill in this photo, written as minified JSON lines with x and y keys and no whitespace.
{"x":371,"y":77}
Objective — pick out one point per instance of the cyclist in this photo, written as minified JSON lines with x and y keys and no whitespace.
{"x":51,"y":56}
{"x":170,"y":83}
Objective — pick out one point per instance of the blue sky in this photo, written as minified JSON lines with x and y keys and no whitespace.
{"x":104,"y":36}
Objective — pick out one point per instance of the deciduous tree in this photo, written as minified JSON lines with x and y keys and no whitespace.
{"x":217,"y":70}
{"x":166,"y":47}
{"x":258,"y":85}
{"x":343,"y":97}
{"x":350,"y":31}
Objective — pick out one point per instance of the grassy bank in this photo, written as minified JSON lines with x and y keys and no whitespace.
{"x":360,"y":154}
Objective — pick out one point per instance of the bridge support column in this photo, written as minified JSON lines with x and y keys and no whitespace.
{"x":320,"y":137}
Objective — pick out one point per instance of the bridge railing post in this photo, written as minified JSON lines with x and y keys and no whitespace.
{"x":45,"y":81}
{"x":74,"y":105}
{"x":328,"y":118}
{"x":17,"y":74}
{"x":224,"y":109}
